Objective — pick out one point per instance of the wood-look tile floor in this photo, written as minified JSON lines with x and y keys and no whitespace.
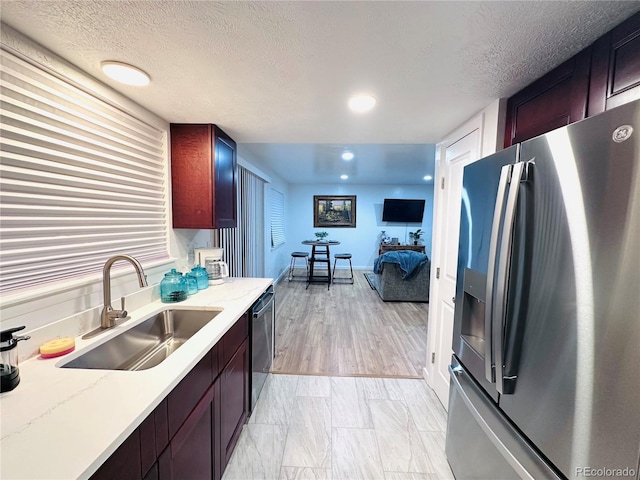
{"x":347,"y":330}
{"x":358,"y":428}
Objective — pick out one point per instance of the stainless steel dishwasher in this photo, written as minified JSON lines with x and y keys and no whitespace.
{"x":262,"y":340}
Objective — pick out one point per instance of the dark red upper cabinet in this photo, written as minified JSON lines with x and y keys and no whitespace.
{"x":554,"y":100}
{"x":615,"y":70}
{"x":604,"y":75}
{"x":204,"y":177}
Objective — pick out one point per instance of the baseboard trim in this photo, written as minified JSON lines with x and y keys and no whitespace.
{"x":281,"y":277}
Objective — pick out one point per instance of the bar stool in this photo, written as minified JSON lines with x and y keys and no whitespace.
{"x":292,"y":265}
{"x":342,"y":256}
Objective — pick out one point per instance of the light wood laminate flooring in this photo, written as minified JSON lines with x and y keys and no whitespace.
{"x":347,"y":331}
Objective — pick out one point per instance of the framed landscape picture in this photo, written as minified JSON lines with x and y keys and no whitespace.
{"x":334,"y":211}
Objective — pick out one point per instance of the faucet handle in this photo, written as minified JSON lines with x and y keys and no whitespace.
{"x":123,"y":312}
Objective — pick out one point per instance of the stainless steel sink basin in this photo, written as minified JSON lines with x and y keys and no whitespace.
{"x":147,"y":344}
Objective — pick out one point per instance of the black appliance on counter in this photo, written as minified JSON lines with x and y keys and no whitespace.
{"x":9,"y":371}
{"x":544,"y":377}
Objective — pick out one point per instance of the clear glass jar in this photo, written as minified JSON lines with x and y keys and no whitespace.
{"x":173,"y":287}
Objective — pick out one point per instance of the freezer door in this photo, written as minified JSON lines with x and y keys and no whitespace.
{"x":481,"y":444}
{"x":574,"y":293}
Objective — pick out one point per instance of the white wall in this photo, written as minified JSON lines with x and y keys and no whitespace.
{"x":362,"y":241}
{"x":494,"y":118}
{"x":276,"y":260}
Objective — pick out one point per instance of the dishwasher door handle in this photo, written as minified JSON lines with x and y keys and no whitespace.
{"x":266,"y":305}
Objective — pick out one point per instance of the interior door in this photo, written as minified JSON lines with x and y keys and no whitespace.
{"x":457,"y":155}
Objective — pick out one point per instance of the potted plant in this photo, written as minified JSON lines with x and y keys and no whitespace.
{"x":415,"y":236}
{"x":321,"y":236}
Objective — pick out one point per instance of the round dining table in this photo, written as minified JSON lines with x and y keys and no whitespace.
{"x":320,"y":253}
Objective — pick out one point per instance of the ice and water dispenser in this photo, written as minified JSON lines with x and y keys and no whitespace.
{"x":470,"y":330}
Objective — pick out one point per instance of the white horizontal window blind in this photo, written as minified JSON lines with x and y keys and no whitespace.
{"x":277,"y":218}
{"x":80,"y":180}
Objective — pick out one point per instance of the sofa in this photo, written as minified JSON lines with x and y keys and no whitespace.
{"x":402,"y":276}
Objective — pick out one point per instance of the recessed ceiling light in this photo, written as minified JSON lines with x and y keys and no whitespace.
{"x":428,"y":177}
{"x":347,"y":155}
{"x":124,"y":73}
{"x":361,"y":103}
{"x":344,"y":177}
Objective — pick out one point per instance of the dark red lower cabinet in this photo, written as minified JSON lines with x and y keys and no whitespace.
{"x":152,"y":474}
{"x":234,"y":397}
{"x":215,"y":429}
{"x":148,"y":452}
{"x":124,"y":464}
{"x":189,"y":455}
{"x":184,"y":397}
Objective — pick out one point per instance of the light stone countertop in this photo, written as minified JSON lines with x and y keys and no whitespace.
{"x":63,"y":423}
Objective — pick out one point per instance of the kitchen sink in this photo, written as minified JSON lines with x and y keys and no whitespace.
{"x":147,"y":344}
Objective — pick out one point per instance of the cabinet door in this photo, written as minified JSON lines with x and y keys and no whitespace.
{"x":203,"y":177}
{"x":233,"y":339}
{"x":615,"y":71}
{"x":152,"y":474}
{"x":226,"y":180}
{"x":148,"y":452}
{"x":161,"y":421}
{"x":192,"y":176}
{"x":184,"y":397}
{"x":190,"y":452}
{"x":234,"y":398}
{"x":554,"y":100}
{"x":215,"y":428}
{"x":124,"y":464}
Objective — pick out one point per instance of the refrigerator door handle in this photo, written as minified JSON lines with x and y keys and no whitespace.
{"x":504,"y":261}
{"x":489,"y":371}
{"x":519,"y":283}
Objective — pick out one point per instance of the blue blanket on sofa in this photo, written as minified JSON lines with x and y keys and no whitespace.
{"x":408,"y":260}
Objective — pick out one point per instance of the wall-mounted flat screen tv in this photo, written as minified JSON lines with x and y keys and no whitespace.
{"x":402,"y":210}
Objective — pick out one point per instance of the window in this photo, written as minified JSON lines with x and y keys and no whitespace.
{"x":277,"y":218}
{"x":244,"y":246}
{"x":80,"y":180}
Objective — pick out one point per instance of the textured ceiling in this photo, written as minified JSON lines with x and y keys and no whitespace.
{"x":390,"y":164}
{"x":281,"y":72}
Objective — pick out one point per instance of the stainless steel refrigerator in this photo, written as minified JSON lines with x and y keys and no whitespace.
{"x":545,"y":376}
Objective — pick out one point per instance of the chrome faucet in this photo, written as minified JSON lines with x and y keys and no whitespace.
{"x":109,"y":315}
